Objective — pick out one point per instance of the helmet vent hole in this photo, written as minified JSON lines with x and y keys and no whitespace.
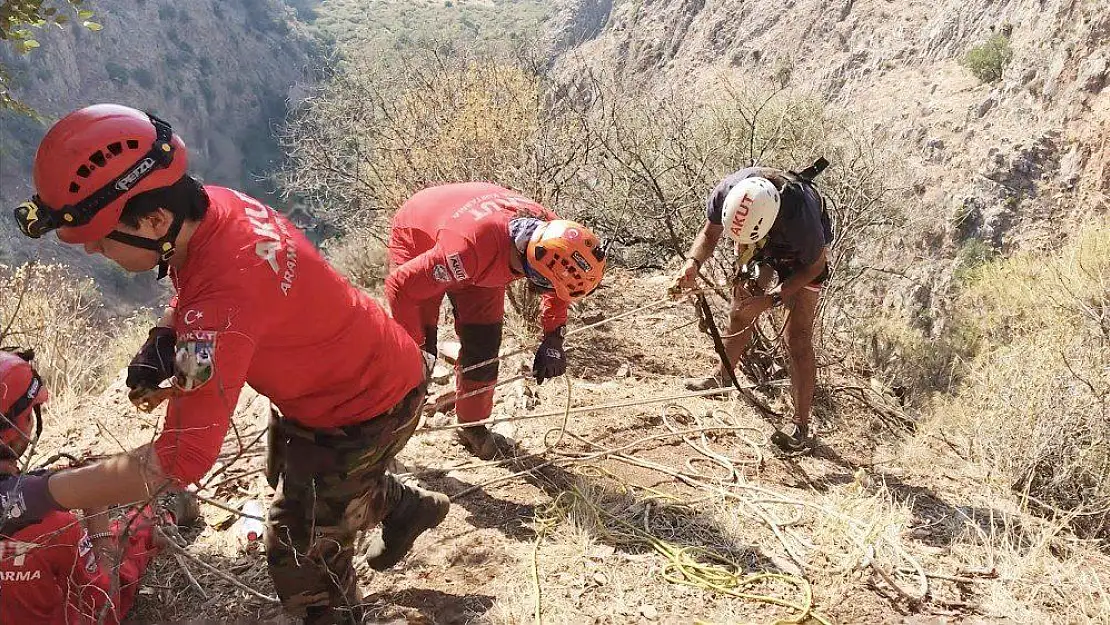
{"x":84,"y":171}
{"x":98,"y":158}
{"x":74,"y":187}
{"x":115,"y":148}
{"x":132,"y":144}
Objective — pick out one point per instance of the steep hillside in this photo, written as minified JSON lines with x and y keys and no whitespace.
{"x":221,"y":72}
{"x":982,"y":499}
{"x":399,"y":26}
{"x":1010,"y":160}
{"x":647,"y":505}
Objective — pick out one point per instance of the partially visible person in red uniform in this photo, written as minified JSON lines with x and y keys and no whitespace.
{"x":255,"y":304}
{"x":469,"y":241}
{"x":57,"y":571}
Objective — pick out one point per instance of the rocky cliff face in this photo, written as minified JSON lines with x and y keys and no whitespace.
{"x":219,"y":71}
{"x":978,"y":168}
{"x":1013,"y":159}
{"x":577,"y":22}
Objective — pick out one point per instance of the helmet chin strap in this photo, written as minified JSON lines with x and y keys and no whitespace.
{"x":165,"y":246}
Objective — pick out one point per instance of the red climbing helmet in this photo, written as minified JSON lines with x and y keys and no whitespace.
{"x":90,"y":163}
{"x":21,"y":394}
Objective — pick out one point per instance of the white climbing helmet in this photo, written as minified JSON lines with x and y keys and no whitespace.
{"x":750,"y":210}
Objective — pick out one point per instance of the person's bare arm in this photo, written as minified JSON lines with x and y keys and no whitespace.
{"x":121,"y":479}
{"x":702,"y":249}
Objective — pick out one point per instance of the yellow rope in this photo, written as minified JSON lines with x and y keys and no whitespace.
{"x":685,"y":565}
{"x":694,"y":566}
{"x":545,"y":521}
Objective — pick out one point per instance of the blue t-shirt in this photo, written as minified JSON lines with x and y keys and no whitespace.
{"x":801,"y":228}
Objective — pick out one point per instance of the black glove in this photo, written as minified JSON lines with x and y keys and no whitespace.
{"x":25,"y":500}
{"x":154,"y":362}
{"x":551,"y":361}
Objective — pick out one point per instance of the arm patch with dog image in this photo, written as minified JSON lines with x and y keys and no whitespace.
{"x":194,"y":359}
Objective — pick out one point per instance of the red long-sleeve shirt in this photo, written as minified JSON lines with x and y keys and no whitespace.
{"x":459,"y":237}
{"x":257,"y":304}
{"x":49,"y":574}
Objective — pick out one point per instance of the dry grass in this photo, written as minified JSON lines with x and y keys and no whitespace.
{"x":44,"y":307}
{"x":1036,"y":569}
{"x":855,"y":540}
{"x":602,"y":556}
{"x":127,"y":336}
{"x":79,"y":351}
{"x":1035,"y":398}
{"x":362,"y":257}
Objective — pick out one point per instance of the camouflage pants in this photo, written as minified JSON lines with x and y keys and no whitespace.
{"x":334,"y":485}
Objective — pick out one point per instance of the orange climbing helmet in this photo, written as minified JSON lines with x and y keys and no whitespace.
{"x":568,"y":256}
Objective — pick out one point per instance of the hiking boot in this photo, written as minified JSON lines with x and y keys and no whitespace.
{"x":795,"y":439}
{"x":707,"y":383}
{"x":418,"y":511}
{"x":479,"y":441}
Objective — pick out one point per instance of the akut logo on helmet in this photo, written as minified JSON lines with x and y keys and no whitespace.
{"x":125,"y":183}
{"x":741,"y":215}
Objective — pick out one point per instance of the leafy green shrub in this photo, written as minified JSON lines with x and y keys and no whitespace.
{"x":973,"y":254}
{"x":989,"y":60}
{"x":490,"y":26}
{"x":18,"y":22}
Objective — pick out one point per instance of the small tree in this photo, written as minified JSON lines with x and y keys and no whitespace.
{"x":374,"y":135}
{"x":633,"y":162}
{"x":989,"y":60}
{"x":19,"y":17}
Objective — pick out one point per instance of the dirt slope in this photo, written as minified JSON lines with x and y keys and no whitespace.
{"x":825,"y":518}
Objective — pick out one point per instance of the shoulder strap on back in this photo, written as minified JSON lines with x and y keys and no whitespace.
{"x":811,"y":172}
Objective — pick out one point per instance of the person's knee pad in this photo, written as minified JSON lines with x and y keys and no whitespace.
{"x":479,"y":342}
